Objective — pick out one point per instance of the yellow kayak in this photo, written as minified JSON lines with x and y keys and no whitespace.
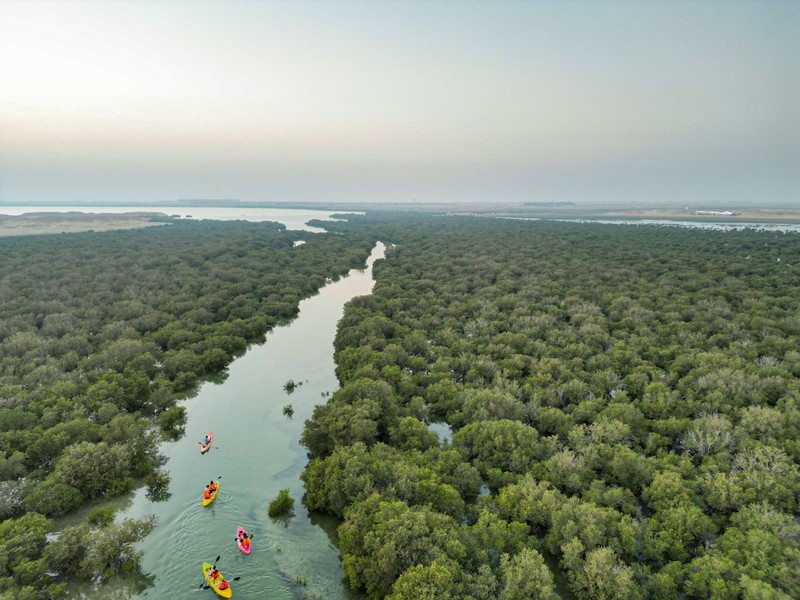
{"x":213,"y":495}
{"x":227,"y":593}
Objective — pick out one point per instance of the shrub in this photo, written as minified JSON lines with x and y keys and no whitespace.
{"x":283,"y":504}
{"x":172,"y":419}
{"x":291,"y":385}
{"x":102,"y":515}
{"x":53,"y":498}
{"x":157,"y":482}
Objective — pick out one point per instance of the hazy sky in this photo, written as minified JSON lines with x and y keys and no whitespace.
{"x":655,"y":102}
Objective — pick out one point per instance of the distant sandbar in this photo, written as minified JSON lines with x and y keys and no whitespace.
{"x":43,"y":223}
{"x":740,"y":214}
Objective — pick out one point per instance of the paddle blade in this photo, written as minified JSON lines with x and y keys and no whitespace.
{"x":216,"y":561}
{"x":236,"y":579}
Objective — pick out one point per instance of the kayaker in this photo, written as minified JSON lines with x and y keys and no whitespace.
{"x":212,"y":486}
{"x":223,"y":585}
{"x":206,"y":440}
{"x":245,"y":540}
{"x":207,"y":493}
{"x":213,"y":574}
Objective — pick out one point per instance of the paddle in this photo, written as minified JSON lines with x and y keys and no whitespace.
{"x":203,"y":586}
{"x":218,"y":478}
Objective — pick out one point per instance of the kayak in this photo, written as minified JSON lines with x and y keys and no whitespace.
{"x":204,"y":447}
{"x":213,"y":495}
{"x":224,"y":593}
{"x":239,"y":531}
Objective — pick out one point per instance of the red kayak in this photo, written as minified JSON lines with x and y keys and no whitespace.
{"x":204,"y":447}
{"x":239,"y":532}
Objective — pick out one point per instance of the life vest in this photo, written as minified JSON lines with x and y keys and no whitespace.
{"x":206,"y":494}
{"x":212,"y":486}
{"x":223,"y":585}
{"x":246,"y":542}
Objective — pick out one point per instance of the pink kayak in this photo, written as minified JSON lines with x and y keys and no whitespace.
{"x":239,"y":532}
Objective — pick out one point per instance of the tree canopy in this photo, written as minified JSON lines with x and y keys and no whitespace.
{"x":628,"y":395}
{"x":100,"y":335}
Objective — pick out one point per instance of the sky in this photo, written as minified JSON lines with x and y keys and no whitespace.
{"x":650,"y":103}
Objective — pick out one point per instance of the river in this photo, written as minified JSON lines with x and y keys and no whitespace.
{"x":257,"y":453}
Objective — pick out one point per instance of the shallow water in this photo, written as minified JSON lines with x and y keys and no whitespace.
{"x":256,"y":451}
{"x":293,"y":219}
{"x":717,"y":226}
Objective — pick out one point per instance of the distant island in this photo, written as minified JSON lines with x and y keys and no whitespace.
{"x":207,"y":201}
{"x":716,"y":213}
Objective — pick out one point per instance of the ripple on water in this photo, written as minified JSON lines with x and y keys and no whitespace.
{"x":187,"y":531}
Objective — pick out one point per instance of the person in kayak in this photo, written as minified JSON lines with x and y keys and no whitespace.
{"x":213,"y":574}
{"x":207,"y":493}
{"x":212,"y":486}
{"x":223,"y":585}
{"x":245,"y":540}
{"x":206,"y":440}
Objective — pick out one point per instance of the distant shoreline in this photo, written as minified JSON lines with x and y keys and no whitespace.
{"x":45,"y":223}
{"x":778,"y":215}
{"x":742,"y":214}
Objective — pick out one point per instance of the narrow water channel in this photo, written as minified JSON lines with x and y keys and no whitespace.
{"x":256,"y":451}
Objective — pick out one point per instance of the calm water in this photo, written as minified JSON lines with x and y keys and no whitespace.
{"x":730,"y":226}
{"x":257,"y":453}
{"x":295,"y":219}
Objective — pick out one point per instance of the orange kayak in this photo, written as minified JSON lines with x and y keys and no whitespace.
{"x":204,"y":447}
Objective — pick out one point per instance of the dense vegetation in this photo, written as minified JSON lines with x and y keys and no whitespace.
{"x":282,"y":504}
{"x":630,"y":396}
{"x":35,"y":568}
{"x":100,"y":334}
